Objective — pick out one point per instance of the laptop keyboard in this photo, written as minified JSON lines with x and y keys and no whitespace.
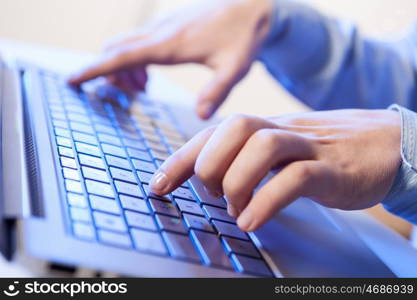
{"x":107,"y":156}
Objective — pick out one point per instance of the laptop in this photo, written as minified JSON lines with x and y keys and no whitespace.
{"x":75,"y":170}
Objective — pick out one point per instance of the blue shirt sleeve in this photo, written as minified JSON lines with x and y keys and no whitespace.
{"x":327,"y":64}
{"x":402,"y":198}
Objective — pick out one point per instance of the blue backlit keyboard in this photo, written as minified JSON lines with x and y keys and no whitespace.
{"x":107,"y":155}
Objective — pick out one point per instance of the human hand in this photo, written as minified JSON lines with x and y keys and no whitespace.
{"x":222,"y":35}
{"x":344,"y":159}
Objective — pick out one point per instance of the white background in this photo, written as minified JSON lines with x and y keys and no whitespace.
{"x":86,"y":24}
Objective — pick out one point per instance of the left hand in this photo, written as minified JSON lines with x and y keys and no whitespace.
{"x":343,"y":159}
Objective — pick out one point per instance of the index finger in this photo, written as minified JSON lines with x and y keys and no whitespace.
{"x":179,"y":166}
{"x":115,"y":61}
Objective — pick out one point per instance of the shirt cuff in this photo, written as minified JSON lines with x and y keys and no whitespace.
{"x":402,"y":198}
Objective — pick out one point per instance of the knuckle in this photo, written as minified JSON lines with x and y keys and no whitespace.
{"x":266,"y":138}
{"x":240,"y":122}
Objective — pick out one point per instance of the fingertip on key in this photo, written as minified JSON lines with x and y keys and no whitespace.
{"x":159,"y":183}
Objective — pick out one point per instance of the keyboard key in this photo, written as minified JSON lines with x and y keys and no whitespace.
{"x":113,"y":150}
{"x":141,"y":118}
{"x":91,"y":161}
{"x":70,"y":99}
{"x":251,"y":265}
{"x":105,"y":129}
{"x":59,"y":123}
{"x":157,"y":145}
{"x":135,"y":144}
{"x":154,"y":196}
{"x":104,"y":204}
{"x":58,"y":116}
{"x":95,"y":174}
{"x":158,"y":162}
{"x":174,"y":146}
{"x":77,"y":200}
{"x":81,"y":127}
{"x":190,"y":207}
{"x":129,"y":134}
{"x":68,"y":162}
{"x":61,"y":141}
{"x":196,"y":222}
{"x":144,"y":166}
{"x":134,"y":204}
{"x":207,"y":199}
{"x":88,"y":149}
{"x":240,"y":247}
{"x":73,"y":186}
{"x":80,"y":214}
{"x":85,"y":138}
{"x":76,"y":109}
{"x":184,"y":193}
{"x":140,"y":220}
{"x":170,"y":224}
{"x":100,"y":189}
{"x":110,"y":222}
{"x":71,"y":174}
{"x":230,"y":230}
{"x":83,"y":231}
{"x":218,"y":214}
{"x":148,"y":241}
{"x":64,"y":151}
{"x":139,"y":154}
{"x":113,"y":238}
{"x":144,"y":177}
{"x":148,"y":128}
{"x":118,"y":162}
{"x":171,"y":137}
{"x":210,"y":249}
{"x":63,"y":132}
{"x":180,"y":246}
{"x":171,"y":133}
{"x":78,"y":118}
{"x":121,"y":174}
{"x":153,"y":140}
{"x":159,"y":155}
{"x":109,"y":139}
{"x":163,"y":207}
{"x":100,"y":118}
{"x":128,"y":189}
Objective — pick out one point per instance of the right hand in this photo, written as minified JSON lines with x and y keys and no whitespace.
{"x":223,"y":35}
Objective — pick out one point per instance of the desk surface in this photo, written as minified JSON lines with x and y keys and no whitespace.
{"x":392,"y":248}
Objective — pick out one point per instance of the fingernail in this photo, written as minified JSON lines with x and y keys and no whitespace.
{"x":232,"y":211}
{"x":206,"y":110}
{"x":159,"y":182}
{"x":245,"y":219}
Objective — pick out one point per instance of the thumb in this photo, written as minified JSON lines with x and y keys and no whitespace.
{"x":217,"y":91}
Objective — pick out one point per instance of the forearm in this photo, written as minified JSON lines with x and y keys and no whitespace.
{"x":327,"y":64}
